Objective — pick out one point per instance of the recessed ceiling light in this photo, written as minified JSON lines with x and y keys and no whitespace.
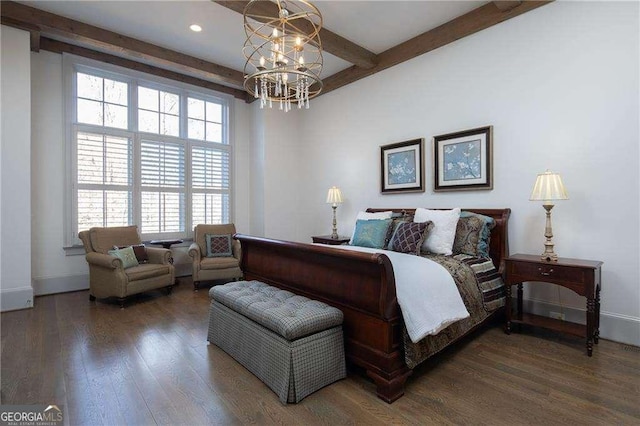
{"x":196,"y":28}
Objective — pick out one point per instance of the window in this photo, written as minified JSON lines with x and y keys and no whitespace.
{"x":151,"y":153}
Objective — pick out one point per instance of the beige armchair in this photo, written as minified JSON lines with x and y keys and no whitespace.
{"x":214,"y":268}
{"x":108,"y":277}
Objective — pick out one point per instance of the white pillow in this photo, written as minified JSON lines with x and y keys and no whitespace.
{"x":440,"y":239}
{"x":369,"y":216}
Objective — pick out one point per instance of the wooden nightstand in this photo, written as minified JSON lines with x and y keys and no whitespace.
{"x":326,"y":239}
{"x":581,"y":276}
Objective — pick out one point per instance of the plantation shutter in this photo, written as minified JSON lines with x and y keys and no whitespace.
{"x":104,"y":180}
{"x":162,"y":179}
{"x":210,"y":185}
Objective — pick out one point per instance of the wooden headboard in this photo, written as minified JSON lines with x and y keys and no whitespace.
{"x":499,"y":243}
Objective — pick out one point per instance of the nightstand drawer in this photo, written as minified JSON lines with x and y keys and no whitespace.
{"x":547,"y":271}
{"x":573,"y":278}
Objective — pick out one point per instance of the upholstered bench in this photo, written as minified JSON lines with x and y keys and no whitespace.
{"x":292,"y":343}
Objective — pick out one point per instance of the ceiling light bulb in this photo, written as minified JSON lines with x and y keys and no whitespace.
{"x":275,"y":32}
{"x":262,"y":61}
{"x":195,"y":28}
{"x":298,"y":41}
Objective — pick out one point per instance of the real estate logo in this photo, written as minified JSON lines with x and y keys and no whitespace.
{"x":30,"y":415}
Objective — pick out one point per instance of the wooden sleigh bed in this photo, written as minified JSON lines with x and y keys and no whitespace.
{"x":362,"y":285}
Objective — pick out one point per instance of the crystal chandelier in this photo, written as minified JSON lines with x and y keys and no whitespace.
{"x":283,"y":52}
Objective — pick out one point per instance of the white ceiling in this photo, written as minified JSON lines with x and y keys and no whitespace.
{"x":374,"y":25}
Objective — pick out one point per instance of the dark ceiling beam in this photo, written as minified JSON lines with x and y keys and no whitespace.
{"x":62,"y":47}
{"x":331,"y":42}
{"x":95,"y":38}
{"x":478,"y":19}
{"x":505,"y":5}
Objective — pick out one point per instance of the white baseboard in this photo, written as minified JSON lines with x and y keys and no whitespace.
{"x":16,"y":298}
{"x":52,"y":285}
{"x":616,"y":327}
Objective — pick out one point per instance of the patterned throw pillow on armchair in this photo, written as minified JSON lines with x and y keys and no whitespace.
{"x":218,"y":245}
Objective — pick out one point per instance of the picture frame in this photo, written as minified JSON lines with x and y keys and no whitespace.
{"x":463,"y":161}
{"x":402,"y":167}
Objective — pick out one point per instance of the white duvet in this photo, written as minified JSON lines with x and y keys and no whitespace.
{"x":427,"y":295}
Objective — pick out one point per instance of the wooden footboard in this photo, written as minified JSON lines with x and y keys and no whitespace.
{"x":361,"y":285}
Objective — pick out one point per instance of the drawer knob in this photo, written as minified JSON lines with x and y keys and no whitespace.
{"x":545,"y":273}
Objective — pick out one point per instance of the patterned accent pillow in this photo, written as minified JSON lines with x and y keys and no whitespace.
{"x":485,"y":235}
{"x":468,"y":233}
{"x":409,"y":237}
{"x":126,"y":255}
{"x":140,"y":251}
{"x":371,"y":233}
{"x":218,"y":245}
{"x":395,"y":222}
{"x":397,"y":218}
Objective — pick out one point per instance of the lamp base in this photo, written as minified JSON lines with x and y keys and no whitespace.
{"x":334,"y":234}
{"x":549,"y":255}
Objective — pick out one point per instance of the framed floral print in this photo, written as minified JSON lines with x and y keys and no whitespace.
{"x":402,"y":167}
{"x":463,"y":160}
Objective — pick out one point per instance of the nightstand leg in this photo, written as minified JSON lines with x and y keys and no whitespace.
{"x":591,"y":309}
{"x":596,"y":333}
{"x":507,"y":309}
{"x":519,"y":301}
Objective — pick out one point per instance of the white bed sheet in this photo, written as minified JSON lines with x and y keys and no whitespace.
{"x":426,"y":292}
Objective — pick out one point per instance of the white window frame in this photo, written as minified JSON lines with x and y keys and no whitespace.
{"x":73,"y":64}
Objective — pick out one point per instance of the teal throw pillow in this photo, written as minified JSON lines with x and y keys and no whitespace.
{"x":371,"y":233}
{"x":485,"y":233}
{"x":126,"y":255}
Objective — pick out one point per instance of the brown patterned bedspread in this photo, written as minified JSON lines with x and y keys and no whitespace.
{"x":482,"y":291}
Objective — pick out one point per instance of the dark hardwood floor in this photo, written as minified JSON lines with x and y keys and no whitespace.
{"x":151,"y":364}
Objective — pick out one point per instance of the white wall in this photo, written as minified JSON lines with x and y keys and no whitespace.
{"x":559,"y":85}
{"x":15,"y":182}
{"x":53,"y":271}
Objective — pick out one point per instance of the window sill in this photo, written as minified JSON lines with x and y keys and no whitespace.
{"x":79,"y":250}
{"x":74,"y":250}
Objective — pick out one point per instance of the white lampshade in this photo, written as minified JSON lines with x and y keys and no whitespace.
{"x":548,"y":187}
{"x":334,"y":196}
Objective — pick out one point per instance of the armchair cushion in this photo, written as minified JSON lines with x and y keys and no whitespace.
{"x":127,"y":256}
{"x":148,"y":270}
{"x":219,"y":263}
{"x":218,"y":245}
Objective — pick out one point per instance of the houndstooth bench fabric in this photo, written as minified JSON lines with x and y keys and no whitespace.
{"x":283,"y":312}
{"x":292,"y":343}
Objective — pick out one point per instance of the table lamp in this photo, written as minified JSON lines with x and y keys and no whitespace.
{"x":548,"y":188}
{"x":334,"y":197}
